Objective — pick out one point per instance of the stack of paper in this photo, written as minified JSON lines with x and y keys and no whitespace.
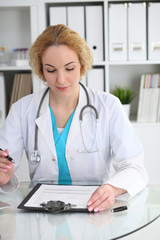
{"x":22,"y":86}
{"x":149,"y":98}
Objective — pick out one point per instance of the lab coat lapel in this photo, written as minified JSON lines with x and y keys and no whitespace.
{"x":45,"y":125}
{"x":75,"y":124}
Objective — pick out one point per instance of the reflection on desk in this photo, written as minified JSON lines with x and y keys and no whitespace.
{"x":18,"y":224}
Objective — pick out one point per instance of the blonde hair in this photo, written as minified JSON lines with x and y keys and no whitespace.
{"x":55,"y":36}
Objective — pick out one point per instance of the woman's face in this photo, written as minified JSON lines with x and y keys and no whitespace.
{"x":61,"y":68}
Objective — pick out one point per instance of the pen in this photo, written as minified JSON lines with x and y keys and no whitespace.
{"x":8,"y":157}
{"x":119,"y":209}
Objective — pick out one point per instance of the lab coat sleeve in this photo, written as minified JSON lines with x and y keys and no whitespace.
{"x":127,"y":154}
{"x":11,"y":138}
{"x":11,"y":185}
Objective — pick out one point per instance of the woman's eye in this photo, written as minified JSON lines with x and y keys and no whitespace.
{"x":51,"y":71}
{"x":69,"y":69}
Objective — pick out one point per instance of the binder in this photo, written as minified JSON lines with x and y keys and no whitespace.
{"x":76,"y":196}
{"x":149,"y":98}
{"x":57,"y":15}
{"x":118,"y":32}
{"x":95,"y":79}
{"x":2,"y":100}
{"x":22,"y":86}
{"x":94,"y":31}
{"x":137,"y":31}
{"x":153,"y":31}
{"x":76,"y":19}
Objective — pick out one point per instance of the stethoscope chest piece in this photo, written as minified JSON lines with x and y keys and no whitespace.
{"x":35,"y":157}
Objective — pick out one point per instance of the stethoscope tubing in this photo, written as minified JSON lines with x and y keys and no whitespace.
{"x":88,"y":105}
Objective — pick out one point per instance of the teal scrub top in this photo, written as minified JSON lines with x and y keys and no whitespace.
{"x":60,"y":140}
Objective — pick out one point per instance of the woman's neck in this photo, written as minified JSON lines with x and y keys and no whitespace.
{"x":63,"y":107}
{"x":66,"y":102}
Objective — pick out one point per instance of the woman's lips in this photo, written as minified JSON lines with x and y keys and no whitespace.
{"x":62,"y":88}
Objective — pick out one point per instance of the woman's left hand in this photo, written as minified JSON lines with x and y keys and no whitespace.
{"x":103,"y":198}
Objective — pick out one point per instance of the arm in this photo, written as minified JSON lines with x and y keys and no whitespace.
{"x":127,"y":154}
{"x":11,"y":138}
{"x":130,"y":175}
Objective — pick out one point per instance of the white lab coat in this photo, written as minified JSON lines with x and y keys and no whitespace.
{"x":116,"y":140}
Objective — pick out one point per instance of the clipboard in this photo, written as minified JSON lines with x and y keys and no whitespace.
{"x":74,"y":198}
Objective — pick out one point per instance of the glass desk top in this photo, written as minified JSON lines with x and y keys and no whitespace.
{"x":19,"y":224}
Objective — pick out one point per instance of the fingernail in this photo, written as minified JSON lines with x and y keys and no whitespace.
{"x":3,"y":170}
{"x":5,"y":154}
{"x":89,"y":203}
{"x":90,"y":209}
{"x":96,"y":209}
{"x":9,"y":167}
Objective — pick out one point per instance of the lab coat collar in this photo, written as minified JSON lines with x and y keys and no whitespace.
{"x":75,"y":125}
{"x":44,"y":122}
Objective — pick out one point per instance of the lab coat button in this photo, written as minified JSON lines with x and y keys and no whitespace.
{"x":71,"y":158}
{"x":53,"y":159}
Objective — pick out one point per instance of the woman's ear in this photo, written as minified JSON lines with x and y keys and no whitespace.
{"x":82,"y":71}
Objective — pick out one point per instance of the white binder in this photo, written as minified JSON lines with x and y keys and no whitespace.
{"x":95,"y":79}
{"x":57,"y":15}
{"x":94,"y":31}
{"x":153,"y":31}
{"x":137,"y":31}
{"x":2,"y":100}
{"x":118,"y":32}
{"x":76,"y":19}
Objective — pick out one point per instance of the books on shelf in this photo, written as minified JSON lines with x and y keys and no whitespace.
{"x":22,"y":86}
{"x":149,"y":98}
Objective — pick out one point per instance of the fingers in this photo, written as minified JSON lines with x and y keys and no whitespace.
{"x":102,"y":199}
{"x":5,"y":164}
{"x":4,"y":167}
{"x":4,"y":153}
{"x":6,"y":150}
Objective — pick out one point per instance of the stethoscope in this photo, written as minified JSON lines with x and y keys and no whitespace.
{"x":35,"y":157}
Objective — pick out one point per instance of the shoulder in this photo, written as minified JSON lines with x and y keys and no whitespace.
{"x":28,"y":102}
{"x":103,"y":98}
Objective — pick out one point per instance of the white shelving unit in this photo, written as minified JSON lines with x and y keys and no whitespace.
{"x":19,"y":29}
{"x":21,"y":21}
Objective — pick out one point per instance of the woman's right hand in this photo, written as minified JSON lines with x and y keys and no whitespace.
{"x":6,"y":168}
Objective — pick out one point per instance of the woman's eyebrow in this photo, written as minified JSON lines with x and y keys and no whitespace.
{"x":54,"y":66}
{"x":49,"y":65}
{"x":68,"y":64}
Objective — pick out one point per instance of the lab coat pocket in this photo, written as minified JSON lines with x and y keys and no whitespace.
{"x":88,"y":167}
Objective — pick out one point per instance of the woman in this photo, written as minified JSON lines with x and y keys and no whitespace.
{"x":72,"y":153}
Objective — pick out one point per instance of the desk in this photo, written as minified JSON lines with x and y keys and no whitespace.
{"x":18,"y":224}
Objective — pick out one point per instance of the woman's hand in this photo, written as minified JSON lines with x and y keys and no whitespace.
{"x":103,"y":198}
{"x":6,"y":168}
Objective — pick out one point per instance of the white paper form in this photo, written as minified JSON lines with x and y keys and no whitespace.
{"x":76,"y":195}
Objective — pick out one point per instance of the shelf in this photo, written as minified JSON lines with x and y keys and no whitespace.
{"x":16,"y":3}
{"x":133,"y":120}
{"x":147,"y":124}
{"x":147,"y":62}
{"x":99,"y":63}
{"x":14,"y":68}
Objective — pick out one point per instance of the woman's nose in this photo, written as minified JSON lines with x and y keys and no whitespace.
{"x":60,"y":77}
